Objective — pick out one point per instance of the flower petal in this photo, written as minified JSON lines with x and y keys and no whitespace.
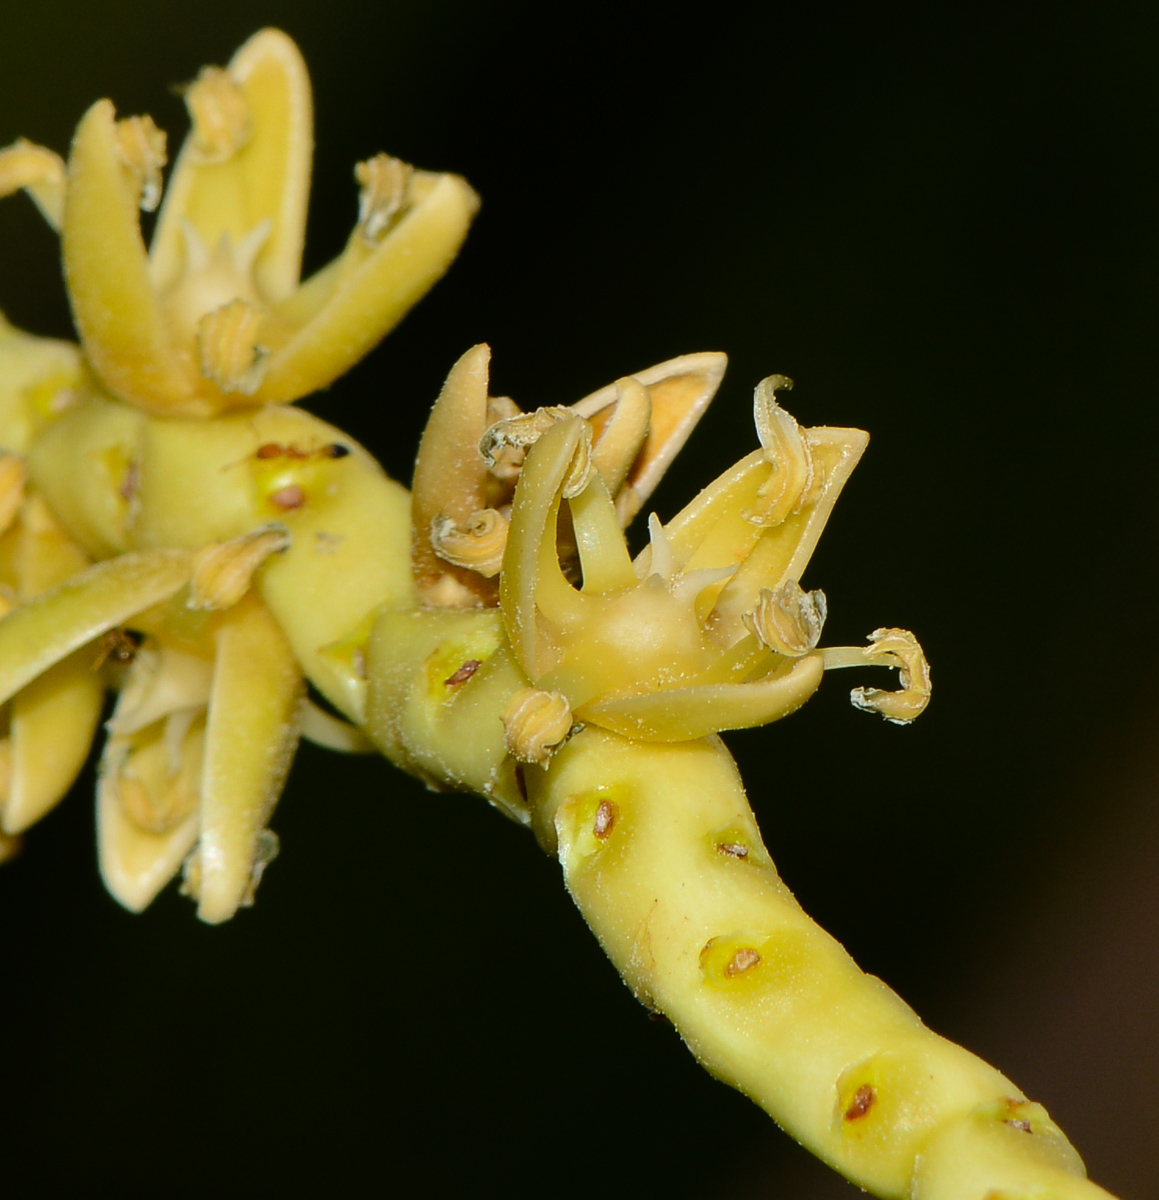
{"x":48,"y":628}
{"x":51,"y":730}
{"x":450,"y":478}
{"x":265,"y":94}
{"x":343,"y":311}
{"x":250,"y":742}
{"x":686,"y":713}
{"x":680,"y":390}
{"x":116,"y":309}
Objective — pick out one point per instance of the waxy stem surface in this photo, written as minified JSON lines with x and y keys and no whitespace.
{"x":661,"y":853}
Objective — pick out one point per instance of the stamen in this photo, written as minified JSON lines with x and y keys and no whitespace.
{"x":788,"y":621}
{"x":142,"y":148}
{"x":889,"y":648}
{"x":519,"y":432}
{"x":231,"y":355}
{"x":221,"y":117}
{"x":386,"y":188}
{"x":535,"y":723}
{"x":223,"y":571}
{"x":478,"y":544}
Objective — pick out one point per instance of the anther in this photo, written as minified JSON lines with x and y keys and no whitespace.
{"x":478,"y":544}
{"x":605,"y":819}
{"x":231,"y":355}
{"x":142,"y":149}
{"x":386,"y":189}
{"x":220,"y":115}
{"x":535,"y":723}
{"x":223,"y":571}
{"x":861,"y":1103}
{"x":788,"y":621}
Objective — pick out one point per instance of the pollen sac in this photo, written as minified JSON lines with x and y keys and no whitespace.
{"x":788,"y":620}
{"x":222,"y":571}
{"x":386,"y":188}
{"x":220,"y":115}
{"x":229,"y":349}
{"x":536,"y":723}
{"x":142,"y":149}
{"x":477,"y":545}
{"x":898,"y":648}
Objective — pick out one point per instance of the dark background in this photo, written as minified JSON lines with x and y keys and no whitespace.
{"x":946,"y":229}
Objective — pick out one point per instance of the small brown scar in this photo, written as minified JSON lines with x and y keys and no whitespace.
{"x":269,"y":450}
{"x":743,"y":960}
{"x":288,"y":498}
{"x":463,"y":673}
{"x":605,"y":819}
{"x":861,"y":1103}
{"x":732,"y":849}
{"x":1019,"y":1123}
{"x":128,"y":488}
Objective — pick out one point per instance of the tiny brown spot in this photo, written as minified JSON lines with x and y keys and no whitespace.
{"x":269,"y":450}
{"x":743,"y":960}
{"x":463,"y":673}
{"x":288,"y":498}
{"x":861,"y":1103}
{"x":294,"y":452}
{"x":1018,"y":1123}
{"x":335,"y":450}
{"x":605,"y":819}
{"x":733,"y":849}
{"x":128,"y":488}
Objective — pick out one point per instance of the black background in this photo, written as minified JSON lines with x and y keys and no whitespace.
{"x":945,"y":227}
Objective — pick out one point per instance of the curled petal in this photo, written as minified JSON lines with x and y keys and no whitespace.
{"x":40,"y":172}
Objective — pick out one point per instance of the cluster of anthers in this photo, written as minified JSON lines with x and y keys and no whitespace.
{"x":173,"y":531}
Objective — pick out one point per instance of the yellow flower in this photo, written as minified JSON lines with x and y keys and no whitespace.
{"x":214,"y":317}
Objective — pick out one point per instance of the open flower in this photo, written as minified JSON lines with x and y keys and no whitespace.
{"x":709,"y":628}
{"x":190,"y":564}
{"x":214,"y":317}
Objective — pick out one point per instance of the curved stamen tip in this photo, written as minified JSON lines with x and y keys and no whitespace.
{"x":217,"y":106}
{"x":142,"y":149}
{"x":896,"y":648}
